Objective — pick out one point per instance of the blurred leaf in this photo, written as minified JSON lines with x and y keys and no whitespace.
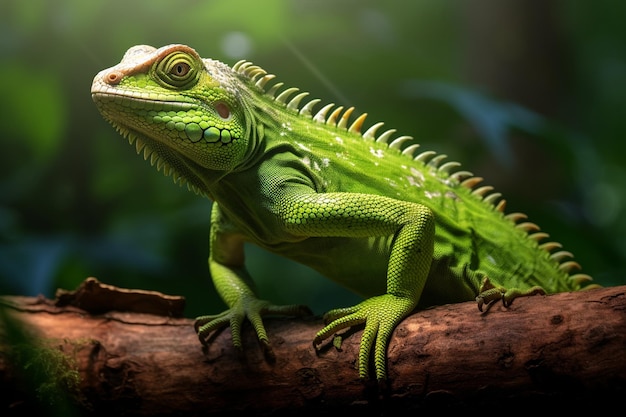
{"x":33,"y":109}
{"x":29,"y":266}
{"x":492,"y":120}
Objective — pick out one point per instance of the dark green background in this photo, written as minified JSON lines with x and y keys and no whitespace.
{"x":528,"y":94}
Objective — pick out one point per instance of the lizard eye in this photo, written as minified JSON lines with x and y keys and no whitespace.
{"x":180,"y":70}
{"x":177,"y":70}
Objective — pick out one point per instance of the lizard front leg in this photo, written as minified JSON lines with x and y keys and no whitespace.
{"x":235,"y":287}
{"x":363,"y":215}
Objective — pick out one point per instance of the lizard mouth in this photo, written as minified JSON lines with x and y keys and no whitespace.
{"x":181,"y":168}
{"x":101,"y":96}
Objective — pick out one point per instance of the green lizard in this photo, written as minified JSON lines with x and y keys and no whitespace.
{"x":404,"y":229}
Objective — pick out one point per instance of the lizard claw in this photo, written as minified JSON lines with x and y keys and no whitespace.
{"x":246,"y":307}
{"x":381,"y":315}
{"x":489,"y":294}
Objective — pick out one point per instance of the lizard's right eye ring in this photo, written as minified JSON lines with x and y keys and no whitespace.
{"x":177,"y":70}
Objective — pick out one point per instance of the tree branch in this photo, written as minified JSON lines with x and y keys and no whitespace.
{"x":562,"y":349}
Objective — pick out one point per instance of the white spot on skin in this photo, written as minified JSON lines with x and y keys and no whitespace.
{"x":303,"y":147}
{"x":417,"y":173}
{"x":430,"y":195}
{"x":306,"y":161}
{"x":378,"y":153}
{"x":452,"y":195}
{"x":286,"y":127}
{"x":339,"y":140}
{"x":414,"y":182}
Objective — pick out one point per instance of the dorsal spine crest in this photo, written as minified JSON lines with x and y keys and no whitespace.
{"x":337,"y":117}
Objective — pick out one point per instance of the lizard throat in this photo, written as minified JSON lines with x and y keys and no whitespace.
{"x":173,"y":164}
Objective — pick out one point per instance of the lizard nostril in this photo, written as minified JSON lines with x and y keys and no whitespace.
{"x":113,"y":77}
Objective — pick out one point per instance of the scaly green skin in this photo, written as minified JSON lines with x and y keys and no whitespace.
{"x":400,"y":228}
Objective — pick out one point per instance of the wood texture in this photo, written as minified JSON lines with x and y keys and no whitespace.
{"x":566,"y":350}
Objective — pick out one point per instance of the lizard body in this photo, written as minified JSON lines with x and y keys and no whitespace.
{"x":367,"y":209}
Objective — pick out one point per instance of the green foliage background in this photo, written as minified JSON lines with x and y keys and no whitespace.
{"x":528,"y":94}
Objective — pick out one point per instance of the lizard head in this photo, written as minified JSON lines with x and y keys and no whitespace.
{"x":181,"y":111}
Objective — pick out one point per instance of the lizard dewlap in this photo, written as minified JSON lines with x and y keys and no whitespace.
{"x":367,"y":209}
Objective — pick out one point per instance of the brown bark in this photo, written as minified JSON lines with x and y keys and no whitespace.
{"x":567,"y":350}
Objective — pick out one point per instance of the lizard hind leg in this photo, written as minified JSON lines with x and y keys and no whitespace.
{"x":490,"y":293}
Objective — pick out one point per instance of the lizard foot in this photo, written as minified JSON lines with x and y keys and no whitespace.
{"x":490,"y":293}
{"x":381,"y":315}
{"x":246,"y":307}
